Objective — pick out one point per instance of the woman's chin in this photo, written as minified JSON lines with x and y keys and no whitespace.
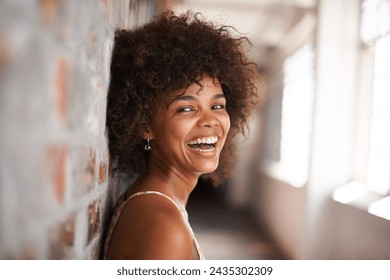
{"x":206,"y":162}
{"x":207,"y":168}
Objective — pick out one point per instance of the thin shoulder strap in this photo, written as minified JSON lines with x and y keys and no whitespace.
{"x":160,"y":194}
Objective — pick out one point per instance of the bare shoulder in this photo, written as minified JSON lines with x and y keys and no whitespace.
{"x":151,"y":227}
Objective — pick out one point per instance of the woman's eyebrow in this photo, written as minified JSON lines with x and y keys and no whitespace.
{"x":192,"y":97}
{"x":218,"y":96}
{"x":182,"y":98}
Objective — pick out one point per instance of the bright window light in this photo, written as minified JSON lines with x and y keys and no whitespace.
{"x":375,"y":19}
{"x":378,"y":177}
{"x":297,"y":111}
{"x":381,"y":208}
{"x":349,"y":192}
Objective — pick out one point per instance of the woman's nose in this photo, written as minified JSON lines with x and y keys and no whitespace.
{"x":207,"y":119}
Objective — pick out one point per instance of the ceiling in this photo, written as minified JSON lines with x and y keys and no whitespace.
{"x":265,"y":22}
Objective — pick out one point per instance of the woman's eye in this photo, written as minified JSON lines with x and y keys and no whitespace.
{"x":218,"y":107}
{"x":185,"y":109}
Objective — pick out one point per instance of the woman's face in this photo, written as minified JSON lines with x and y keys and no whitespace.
{"x":188,"y":134}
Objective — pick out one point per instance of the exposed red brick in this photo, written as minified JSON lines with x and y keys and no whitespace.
{"x":27,"y":253}
{"x":56,"y":162}
{"x":48,"y":9}
{"x":92,"y":39}
{"x":61,"y":82}
{"x":61,"y":238}
{"x":99,"y":87}
{"x":102,"y":173}
{"x":105,"y":7}
{"x":89,"y":175}
{"x":5,"y":50}
{"x":95,"y":252}
{"x":94,"y":219}
{"x":60,"y":174}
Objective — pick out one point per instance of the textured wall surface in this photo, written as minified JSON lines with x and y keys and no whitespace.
{"x":54,"y":74}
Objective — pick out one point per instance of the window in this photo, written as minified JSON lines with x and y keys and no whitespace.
{"x":378,"y":177}
{"x":297,"y":110}
{"x":375,"y":30}
{"x":375,"y":35}
{"x":375,"y":20}
{"x":290,"y":118}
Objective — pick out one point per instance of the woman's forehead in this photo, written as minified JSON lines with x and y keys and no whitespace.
{"x":195,"y":88}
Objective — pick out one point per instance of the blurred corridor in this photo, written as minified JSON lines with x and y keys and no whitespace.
{"x":225,"y":233}
{"x":313,"y":177}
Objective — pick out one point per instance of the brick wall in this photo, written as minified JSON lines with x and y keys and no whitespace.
{"x":55,"y":197}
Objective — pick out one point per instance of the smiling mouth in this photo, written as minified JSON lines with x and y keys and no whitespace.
{"x":205,"y":144}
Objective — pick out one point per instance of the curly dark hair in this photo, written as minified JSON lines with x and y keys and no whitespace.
{"x":171,"y":53}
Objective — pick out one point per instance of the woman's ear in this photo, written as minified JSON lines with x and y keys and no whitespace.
{"x":147,"y":133}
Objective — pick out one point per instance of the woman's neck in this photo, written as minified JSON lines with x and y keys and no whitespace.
{"x":169,"y":181}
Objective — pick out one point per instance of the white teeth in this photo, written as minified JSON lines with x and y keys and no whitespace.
{"x":205,"y":140}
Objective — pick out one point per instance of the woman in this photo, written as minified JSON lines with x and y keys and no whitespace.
{"x":180,"y":89}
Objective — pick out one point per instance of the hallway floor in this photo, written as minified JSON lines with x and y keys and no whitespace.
{"x":225,"y":234}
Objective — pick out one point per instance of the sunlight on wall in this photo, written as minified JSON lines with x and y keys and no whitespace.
{"x":381,"y":208}
{"x":349,"y":192}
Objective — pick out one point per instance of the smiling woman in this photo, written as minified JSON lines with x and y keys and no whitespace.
{"x":188,"y":135}
{"x":180,"y":89}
